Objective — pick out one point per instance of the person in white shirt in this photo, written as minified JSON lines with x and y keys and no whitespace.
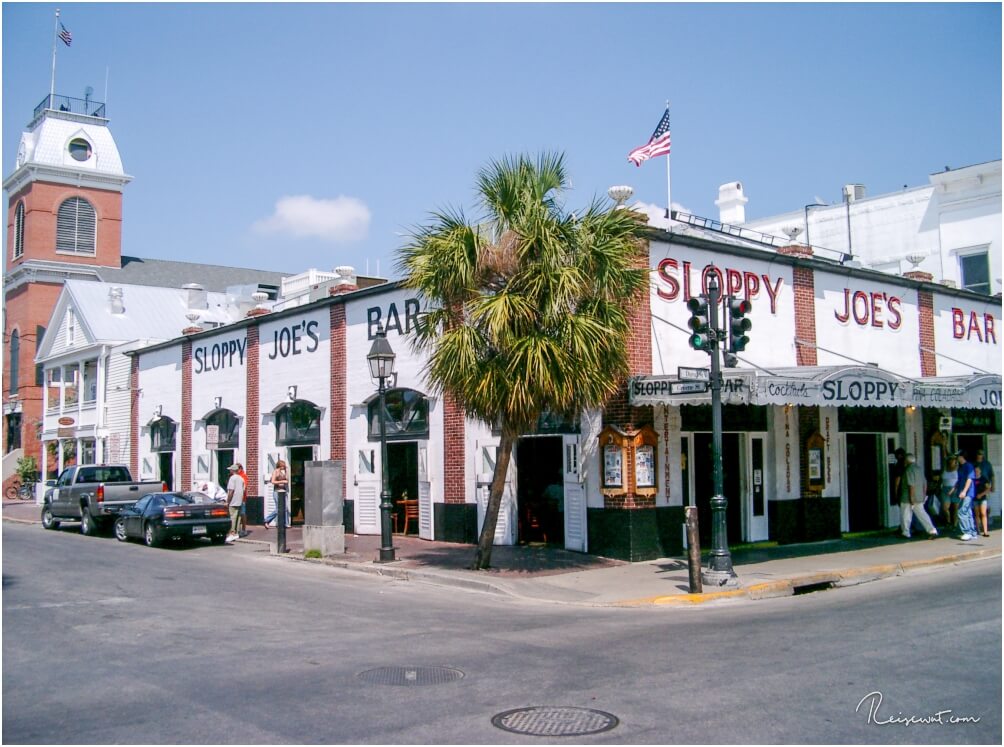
{"x":235,"y":499}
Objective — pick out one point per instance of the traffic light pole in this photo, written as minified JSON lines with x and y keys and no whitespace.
{"x":719,"y":571}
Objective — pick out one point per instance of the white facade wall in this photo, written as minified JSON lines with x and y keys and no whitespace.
{"x":864,"y":321}
{"x":678,"y":274}
{"x":219,"y":370}
{"x":118,"y":399}
{"x":160,"y":387}
{"x":967,"y":336}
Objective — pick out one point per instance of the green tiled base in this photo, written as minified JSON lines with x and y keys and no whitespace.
{"x":636,"y":534}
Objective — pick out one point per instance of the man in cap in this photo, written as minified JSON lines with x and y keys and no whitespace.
{"x":235,"y":499}
{"x":966,"y":490}
{"x":912,"y":495}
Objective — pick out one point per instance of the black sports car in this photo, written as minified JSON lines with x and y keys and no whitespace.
{"x":161,"y":516}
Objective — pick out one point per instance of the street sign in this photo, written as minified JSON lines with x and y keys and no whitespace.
{"x":693,"y":374}
{"x":688,"y":387}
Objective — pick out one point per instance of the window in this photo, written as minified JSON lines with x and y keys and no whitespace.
{"x":13,"y":431}
{"x":39,"y":368}
{"x":15,"y":360}
{"x":19,"y":230}
{"x":79,"y":149}
{"x":406,"y":416}
{"x":975,"y":270}
{"x":298,"y":423}
{"x":162,"y":434}
{"x":229,"y":429}
{"x":71,"y":327}
{"x":76,"y":227}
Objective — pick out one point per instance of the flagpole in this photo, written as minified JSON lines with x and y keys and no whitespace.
{"x":669,"y":191}
{"x":52,"y":82}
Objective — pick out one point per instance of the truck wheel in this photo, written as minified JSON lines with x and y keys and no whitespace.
{"x":48,"y":520}
{"x":150,"y":535}
{"x":120,"y":530}
{"x":87,"y":524}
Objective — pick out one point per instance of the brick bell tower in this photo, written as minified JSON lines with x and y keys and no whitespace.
{"x":64,"y":220}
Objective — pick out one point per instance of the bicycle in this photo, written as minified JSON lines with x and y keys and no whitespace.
{"x":21,"y":492}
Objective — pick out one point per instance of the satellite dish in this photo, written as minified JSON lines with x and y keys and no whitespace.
{"x":88,"y":91}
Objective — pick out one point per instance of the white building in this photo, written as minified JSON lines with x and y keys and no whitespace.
{"x":950,"y":228}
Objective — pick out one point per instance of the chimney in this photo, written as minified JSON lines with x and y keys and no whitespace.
{"x":193,"y":324}
{"x":115,"y":303}
{"x":259,"y":299}
{"x":197,"y":296}
{"x":345,"y":282}
{"x":731,"y":202}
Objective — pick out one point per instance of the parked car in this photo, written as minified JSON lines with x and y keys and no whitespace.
{"x":93,"y":494}
{"x":162,"y":516}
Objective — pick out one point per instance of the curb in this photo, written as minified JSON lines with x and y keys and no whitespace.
{"x":831,"y":579}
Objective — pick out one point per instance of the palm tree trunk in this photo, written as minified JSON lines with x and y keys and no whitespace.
{"x":483,"y":556}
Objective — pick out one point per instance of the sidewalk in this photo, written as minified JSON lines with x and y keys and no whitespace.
{"x":554,"y":574}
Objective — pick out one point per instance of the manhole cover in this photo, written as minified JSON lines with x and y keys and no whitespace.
{"x":410,"y":675}
{"x":555,"y":721}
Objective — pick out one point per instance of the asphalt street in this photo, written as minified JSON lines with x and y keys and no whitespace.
{"x":105,"y":642}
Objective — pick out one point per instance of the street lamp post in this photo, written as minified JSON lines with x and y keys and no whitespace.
{"x":381,"y":362}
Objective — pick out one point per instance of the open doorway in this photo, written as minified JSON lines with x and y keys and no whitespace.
{"x":402,"y":478}
{"x":166,"y":460}
{"x":298,"y":457}
{"x":704,"y":486}
{"x":864,"y":484}
{"x":540,"y":490}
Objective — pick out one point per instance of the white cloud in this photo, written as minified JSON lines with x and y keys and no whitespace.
{"x":302,"y":216}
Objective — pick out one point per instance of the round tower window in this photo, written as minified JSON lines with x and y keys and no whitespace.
{"x":80,"y":149}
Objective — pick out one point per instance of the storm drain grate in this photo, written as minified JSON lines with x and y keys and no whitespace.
{"x":810,"y":588}
{"x":410,"y":676}
{"x":555,"y":721}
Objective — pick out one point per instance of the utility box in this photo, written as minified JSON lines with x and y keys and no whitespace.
{"x":324,"y":502}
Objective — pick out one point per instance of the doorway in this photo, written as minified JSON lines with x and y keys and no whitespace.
{"x":166,"y":460}
{"x":704,"y":486}
{"x":298,"y":457}
{"x":864,"y":484}
{"x":540,"y":490}
{"x":402,"y":478}
{"x":224,"y":458}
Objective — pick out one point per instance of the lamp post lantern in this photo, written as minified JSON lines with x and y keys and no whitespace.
{"x":381,"y":362}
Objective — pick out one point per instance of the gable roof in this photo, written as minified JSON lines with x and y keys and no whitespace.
{"x":149,"y":313}
{"x":165,"y":273}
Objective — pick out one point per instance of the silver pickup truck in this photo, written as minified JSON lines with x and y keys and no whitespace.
{"x":93,"y":494}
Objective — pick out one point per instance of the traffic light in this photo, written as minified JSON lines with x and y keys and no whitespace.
{"x":700,"y":338}
{"x":739,"y":325}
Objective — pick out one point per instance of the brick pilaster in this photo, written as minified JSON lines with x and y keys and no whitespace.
{"x":925,"y":314}
{"x":339,"y":393}
{"x":134,"y":416}
{"x":252,"y":413}
{"x":454,"y":451}
{"x":186,"y":415}
{"x":804,"y":292}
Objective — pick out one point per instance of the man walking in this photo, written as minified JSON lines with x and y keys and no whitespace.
{"x":912,"y":494}
{"x":235,"y":499}
{"x":966,"y":490}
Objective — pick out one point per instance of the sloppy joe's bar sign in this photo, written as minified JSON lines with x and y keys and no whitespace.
{"x":852,"y":387}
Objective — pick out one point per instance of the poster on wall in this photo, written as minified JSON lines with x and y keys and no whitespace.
{"x":815,"y":464}
{"x":644,"y":467}
{"x":612,"y":466}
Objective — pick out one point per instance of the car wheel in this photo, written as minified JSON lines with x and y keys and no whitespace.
{"x":120,"y":530}
{"x":48,"y":520}
{"x":87,"y":525}
{"x":150,"y":535}
{"x":218,"y":539}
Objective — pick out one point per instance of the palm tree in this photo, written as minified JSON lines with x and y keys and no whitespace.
{"x":529,"y":305}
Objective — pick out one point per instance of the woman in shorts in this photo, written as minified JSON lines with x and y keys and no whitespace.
{"x":980,"y":501}
{"x":949,"y":494}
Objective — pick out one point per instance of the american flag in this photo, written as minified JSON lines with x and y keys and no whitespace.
{"x":658,"y":144}
{"x":65,"y":35}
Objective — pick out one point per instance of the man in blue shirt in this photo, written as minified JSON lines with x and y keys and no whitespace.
{"x":966,"y":490}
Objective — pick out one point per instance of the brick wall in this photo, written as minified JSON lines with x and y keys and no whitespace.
{"x":253,"y":414}
{"x":454,"y":451}
{"x":339,"y":390}
{"x":804,"y":291}
{"x":186,"y":415}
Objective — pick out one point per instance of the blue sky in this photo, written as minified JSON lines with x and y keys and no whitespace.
{"x":293,"y":136}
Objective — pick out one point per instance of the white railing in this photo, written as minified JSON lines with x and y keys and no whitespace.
{"x":300,"y":284}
